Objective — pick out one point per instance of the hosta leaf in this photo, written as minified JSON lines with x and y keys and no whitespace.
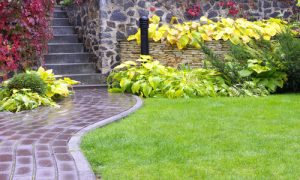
{"x":125,"y":83}
{"x":132,"y":63}
{"x":136,"y":87}
{"x":179,"y":93}
{"x":154,"y":81}
{"x":267,"y":37}
{"x":154,"y":19}
{"x":258,"y":68}
{"x":130,"y":74}
{"x":182,"y":42}
{"x":146,"y":90}
{"x":205,"y":37}
{"x":131,"y":37}
{"x":219,"y":35}
{"x":148,"y":66}
{"x":235,"y":40}
{"x":115,"y":90}
{"x":157,"y":36}
{"x":245,"y":73}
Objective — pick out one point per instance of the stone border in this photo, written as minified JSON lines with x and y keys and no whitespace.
{"x":83,"y":167}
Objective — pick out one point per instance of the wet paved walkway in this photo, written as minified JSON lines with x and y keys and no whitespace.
{"x":34,"y":144}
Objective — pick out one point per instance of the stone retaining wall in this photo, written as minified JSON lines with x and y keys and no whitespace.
{"x":86,"y":20}
{"x":170,"y":55}
{"x":103,"y":23}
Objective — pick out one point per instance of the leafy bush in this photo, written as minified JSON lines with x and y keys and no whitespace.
{"x":24,"y":31}
{"x":27,"y":81}
{"x":256,"y":62}
{"x":16,"y":98}
{"x":238,"y":31}
{"x":289,"y":52}
{"x":56,"y":88}
{"x":23,"y":99}
{"x":150,"y":78}
{"x":70,"y":2}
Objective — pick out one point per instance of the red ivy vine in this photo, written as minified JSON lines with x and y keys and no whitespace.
{"x":24,"y":32}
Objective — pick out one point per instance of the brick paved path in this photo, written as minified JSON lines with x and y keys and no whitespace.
{"x":34,"y":144}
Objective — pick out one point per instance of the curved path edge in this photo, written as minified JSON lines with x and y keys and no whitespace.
{"x":83,"y":167}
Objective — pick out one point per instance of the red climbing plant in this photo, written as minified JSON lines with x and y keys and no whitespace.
{"x":194,"y":10}
{"x":24,"y":32}
{"x":231,"y":6}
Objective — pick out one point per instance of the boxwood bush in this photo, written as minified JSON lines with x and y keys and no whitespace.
{"x":27,"y":81}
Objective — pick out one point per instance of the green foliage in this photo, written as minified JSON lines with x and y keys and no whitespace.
{"x":66,"y":2}
{"x":289,"y":52}
{"x":238,"y":31}
{"x":55,"y":87}
{"x":27,"y":81}
{"x":256,"y":63}
{"x":23,"y":99}
{"x":150,"y":78}
{"x":16,"y":98}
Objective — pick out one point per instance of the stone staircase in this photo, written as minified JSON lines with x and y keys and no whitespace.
{"x":66,"y":55}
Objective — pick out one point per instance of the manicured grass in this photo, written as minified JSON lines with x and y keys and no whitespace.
{"x":205,"y":138}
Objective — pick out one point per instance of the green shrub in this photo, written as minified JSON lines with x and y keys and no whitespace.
{"x":66,"y":2}
{"x":23,"y":99}
{"x":27,"y":81}
{"x":150,"y":79}
{"x":256,"y":62}
{"x":32,"y":89}
{"x":289,"y":52}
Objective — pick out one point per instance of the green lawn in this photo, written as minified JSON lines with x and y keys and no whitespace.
{"x":205,"y":138}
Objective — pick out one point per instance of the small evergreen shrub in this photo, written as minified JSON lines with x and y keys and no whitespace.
{"x":28,"y":81}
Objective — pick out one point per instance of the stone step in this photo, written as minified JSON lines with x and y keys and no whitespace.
{"x":60,"y":14}
{"x":72,"y":68}
{"x":58,"y":8}
{"x":61,"y":30}
{"x":60,"y":22}
{"x":68,"y":38}
{"x":85,"y":79}
{"x":61,"y":58}
{"x":65,"y":47}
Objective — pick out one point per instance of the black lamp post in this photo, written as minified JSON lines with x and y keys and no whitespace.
{"x":144,"y":25}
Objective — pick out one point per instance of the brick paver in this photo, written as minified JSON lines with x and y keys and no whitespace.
{"x":34,"y":144}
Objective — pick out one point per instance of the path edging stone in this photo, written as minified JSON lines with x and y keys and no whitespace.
{"x":84,"y":169}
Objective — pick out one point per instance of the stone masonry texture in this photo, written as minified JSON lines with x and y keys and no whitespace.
{"x":102,"y":24}
{"x":34,"y":144}
{"x":170,"y":55}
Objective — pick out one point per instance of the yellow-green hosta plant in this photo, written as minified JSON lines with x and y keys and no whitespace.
{"x":298,"y":3}
{"x":55,"y":87}
{"x":148,"y":78}
{"x":16,"y":100}
{"x":227,"y":29}
{"x":23,"y":99}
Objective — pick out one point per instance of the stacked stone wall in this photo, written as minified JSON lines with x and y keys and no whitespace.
{"x":102,"y":24}
{"x":170,"y":55}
